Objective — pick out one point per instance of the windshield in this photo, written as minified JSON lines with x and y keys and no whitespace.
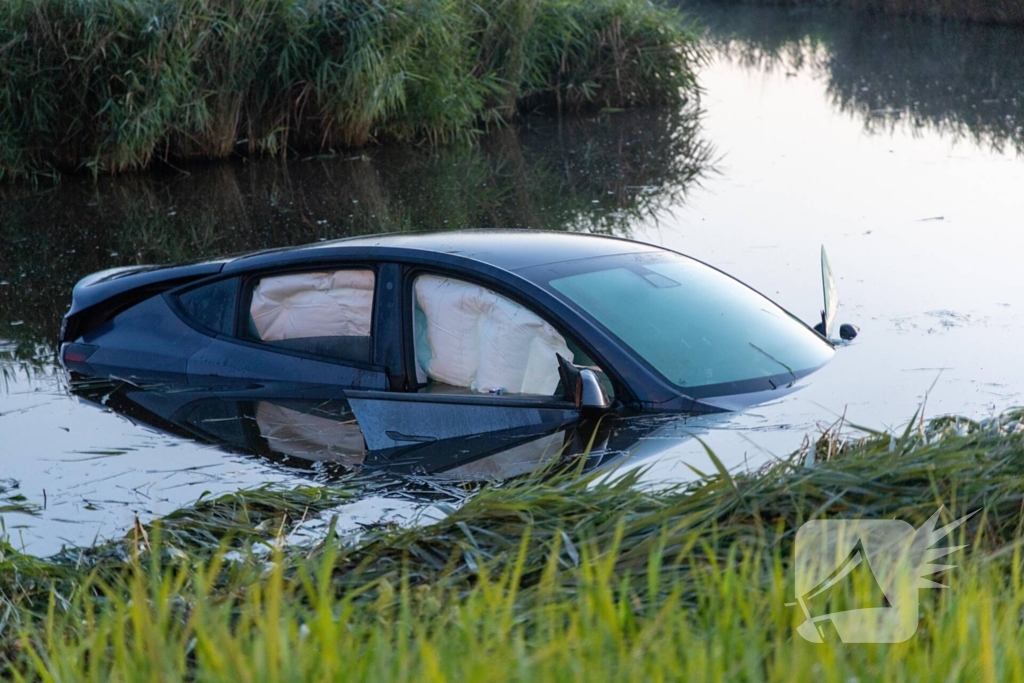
{"x":698,"y":327}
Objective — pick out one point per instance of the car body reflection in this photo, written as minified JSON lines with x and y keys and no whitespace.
{"x":314,"y":428}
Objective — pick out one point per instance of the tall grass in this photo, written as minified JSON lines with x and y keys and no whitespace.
{"x":112,"y":85}
{"x":548,"y":579}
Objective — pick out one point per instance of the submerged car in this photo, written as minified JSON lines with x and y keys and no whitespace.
{"x":412,"y":325}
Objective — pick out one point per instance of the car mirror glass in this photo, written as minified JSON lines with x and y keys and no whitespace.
{"x":590,"y":392}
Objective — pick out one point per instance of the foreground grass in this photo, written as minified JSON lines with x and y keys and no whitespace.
{"x":537,"y":580}
{"x":110,"y":85}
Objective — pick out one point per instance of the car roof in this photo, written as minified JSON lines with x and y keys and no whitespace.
{"x":502,"y":248}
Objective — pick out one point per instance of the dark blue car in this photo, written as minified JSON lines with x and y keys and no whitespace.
{"x":515,"y":328}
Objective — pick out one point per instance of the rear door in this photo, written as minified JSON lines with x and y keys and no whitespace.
{"x":312,"y":325}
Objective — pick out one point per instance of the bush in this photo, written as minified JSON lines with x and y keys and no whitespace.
{"x":112,"y":85}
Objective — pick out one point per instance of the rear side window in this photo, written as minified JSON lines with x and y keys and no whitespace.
{"x":212,"y":305}
{"x":324,"y":313}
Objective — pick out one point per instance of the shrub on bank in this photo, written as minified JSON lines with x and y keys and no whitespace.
{"x":112,"y":85}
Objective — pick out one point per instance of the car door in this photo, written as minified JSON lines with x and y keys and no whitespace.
{"x":477,"y":362}
{"x":311,"y":325}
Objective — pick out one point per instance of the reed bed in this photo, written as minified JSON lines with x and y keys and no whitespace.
{"x":547,"y":578}
{"x":113,"y":85}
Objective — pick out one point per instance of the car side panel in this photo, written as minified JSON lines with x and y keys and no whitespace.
{"x":242,"y":360}
{"x":147,"y":341}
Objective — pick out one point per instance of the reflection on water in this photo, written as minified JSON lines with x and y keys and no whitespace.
{"x":964,"y":81}
{"x":315,"y":429}
{"x":597,"y":175}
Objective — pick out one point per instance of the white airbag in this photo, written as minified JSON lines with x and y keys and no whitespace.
{"x":481,"y":340}
{"x":303,"y":305}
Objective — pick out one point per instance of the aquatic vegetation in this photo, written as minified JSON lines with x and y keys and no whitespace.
{"x":544,"y":578}
{"x":11,"y":500}
{"x":109,"y":86}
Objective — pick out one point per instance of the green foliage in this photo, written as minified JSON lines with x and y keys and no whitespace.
{"x":112,"y":85}
{"x":542,"y":579}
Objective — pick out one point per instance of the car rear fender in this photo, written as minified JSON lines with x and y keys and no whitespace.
{"x":99,"y":297}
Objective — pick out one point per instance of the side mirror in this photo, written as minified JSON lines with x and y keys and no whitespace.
{"x":591,"y":393}
{"x":582,"y":387}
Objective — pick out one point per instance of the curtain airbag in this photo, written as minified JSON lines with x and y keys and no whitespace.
{"x":482,"y":340}
{"x":303,"y":305}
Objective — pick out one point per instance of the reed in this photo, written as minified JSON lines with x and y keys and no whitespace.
{"x":115,"y":85}
{"x":549,"y":578}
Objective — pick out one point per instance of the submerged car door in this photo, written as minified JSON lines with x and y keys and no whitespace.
{"x":475,"y":362}
{"x":308,"y":325}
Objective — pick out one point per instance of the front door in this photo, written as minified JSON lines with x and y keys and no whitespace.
{"x":482,"y":363}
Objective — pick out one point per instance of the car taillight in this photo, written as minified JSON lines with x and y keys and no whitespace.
{"x":77,"y":353}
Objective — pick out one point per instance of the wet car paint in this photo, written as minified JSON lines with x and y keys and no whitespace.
{"x":144,"y":334}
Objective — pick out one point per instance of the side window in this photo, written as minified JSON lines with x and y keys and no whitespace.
{"x":469,"y":339}
{"x":212,"y":305}
{"x":322,"y":313}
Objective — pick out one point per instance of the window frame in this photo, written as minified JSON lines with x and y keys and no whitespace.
{"x":246,"y":281}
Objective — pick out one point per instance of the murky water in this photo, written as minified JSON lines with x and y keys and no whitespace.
{"x":897,"y":144}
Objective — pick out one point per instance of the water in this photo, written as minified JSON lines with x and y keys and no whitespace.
{"x":896,"y":144}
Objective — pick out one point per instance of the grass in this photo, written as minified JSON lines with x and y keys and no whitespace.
{"x":542,"y":579}
{"x":11,"y":500}
{"x":113,"y":85}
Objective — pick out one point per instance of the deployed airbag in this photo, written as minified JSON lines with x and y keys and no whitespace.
{"x":482,"y":340}
{"x":304,"y":305}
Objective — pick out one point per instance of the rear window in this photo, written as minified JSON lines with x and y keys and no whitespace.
{"x":213,"y":305}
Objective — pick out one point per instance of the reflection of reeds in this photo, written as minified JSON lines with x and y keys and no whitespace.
{"x":110,"y":85}
{"x":24,"y":361}
{"x":596,"y":174}
{"x":962,"y":81}
{"x":538,"y":579}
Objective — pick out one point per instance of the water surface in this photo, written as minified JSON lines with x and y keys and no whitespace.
{"x":896,"y":144}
